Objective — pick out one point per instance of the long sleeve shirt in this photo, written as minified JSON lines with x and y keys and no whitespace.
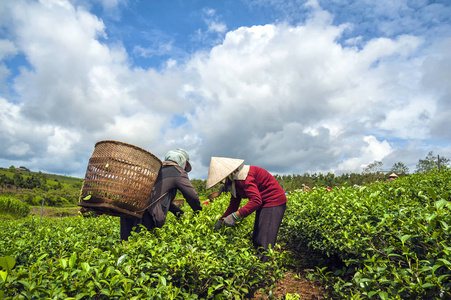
{"x":262,"y":190}
{"x":171,"y":178}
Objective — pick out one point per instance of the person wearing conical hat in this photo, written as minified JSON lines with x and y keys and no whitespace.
{"x":392,"y":176}
{"x":172,"y":177}
{"x":266,"y":198}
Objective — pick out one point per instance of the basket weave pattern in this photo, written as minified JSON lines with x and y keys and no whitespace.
{"x":119,"y":179}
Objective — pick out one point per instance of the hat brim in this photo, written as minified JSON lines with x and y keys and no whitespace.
{"x":220,"y":168}
{"x":188,"y":167}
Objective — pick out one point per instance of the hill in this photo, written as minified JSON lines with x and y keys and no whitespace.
{"x":31,"y":187}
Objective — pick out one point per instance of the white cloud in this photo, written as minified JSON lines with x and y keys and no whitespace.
{"x":20,"y":138}
{"x":290,"y":98}
{"x":289,"y":106}
{"x":370,"y":151}
{"x":7,"y":48}
{"x":78,"y":90}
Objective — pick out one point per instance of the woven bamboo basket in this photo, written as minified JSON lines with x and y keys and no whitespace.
{"x":119,"y":179}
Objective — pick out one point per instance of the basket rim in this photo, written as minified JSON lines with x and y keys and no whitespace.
{"x":130,"y":145}
{"x":110,"y":209}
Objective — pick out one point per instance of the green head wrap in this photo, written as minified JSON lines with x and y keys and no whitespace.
{"x":181,"y":157}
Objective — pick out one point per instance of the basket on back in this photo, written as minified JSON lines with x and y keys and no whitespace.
{"x":119,"y":179}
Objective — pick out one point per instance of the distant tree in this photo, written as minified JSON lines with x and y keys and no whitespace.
{"x":12,"y":168}
{"x":199,"y":186}
{"x":372,"y":172}
{"x":430,"y":163}
{"x":444,"y":161}
{"x":18,"y":180}
{"x":399,"y":168}
{"x":330,"y":179}
{"x":59,"y":186}
{"x":373,"y":168}
{"x":308,"y":180}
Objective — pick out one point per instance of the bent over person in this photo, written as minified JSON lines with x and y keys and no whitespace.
{"x":173,"y":176}
{"x":266,"y":198}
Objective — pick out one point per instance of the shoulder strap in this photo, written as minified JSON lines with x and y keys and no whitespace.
{"x":152,"y":203}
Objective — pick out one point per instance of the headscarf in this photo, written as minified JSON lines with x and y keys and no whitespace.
{"x":179,"y":156}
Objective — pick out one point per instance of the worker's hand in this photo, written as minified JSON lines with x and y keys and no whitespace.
{"x":218,"y":225}
{"x":180,"y":213}
{"x":230,"y":220}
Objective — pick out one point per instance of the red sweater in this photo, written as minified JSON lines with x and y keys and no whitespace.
{"x":262,"y":190}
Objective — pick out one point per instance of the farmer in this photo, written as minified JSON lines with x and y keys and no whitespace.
{"x":392,"y":176}
{"x":266,"y":198}
{"x":223,"y":189}
{"x":173,"y":176}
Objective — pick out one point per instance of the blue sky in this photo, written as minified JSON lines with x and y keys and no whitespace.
{"x":291,"y":86}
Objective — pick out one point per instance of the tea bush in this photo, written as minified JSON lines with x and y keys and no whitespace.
{"x":13,"y":207}
{"x":82,"y":258}
{"x":393,"y":238}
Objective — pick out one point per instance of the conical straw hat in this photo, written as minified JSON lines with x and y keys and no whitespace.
{"x":220,"y":168}
{"x":393,"y":175}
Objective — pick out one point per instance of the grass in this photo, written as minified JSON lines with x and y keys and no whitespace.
{"x":55,"y":212}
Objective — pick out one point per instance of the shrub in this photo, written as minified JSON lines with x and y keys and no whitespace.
{"x":83,"y":258}
{"x":392,"y":238}
{"x":13,"y":207}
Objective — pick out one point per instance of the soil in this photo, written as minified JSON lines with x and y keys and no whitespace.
{"x":293,"y":283}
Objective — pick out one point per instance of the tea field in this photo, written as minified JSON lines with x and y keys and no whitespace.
{"x":388,"y":240}
{"x":83,"y":258}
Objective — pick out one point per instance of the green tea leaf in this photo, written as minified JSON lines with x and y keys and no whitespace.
{"x":72,"y":260}
{"x":121,"y":259}
{"x":404,"y":238}
{"x":3,"y":275}
{"x":63,"y":263}
{"x":440,"y":204}
{"x":432,"y":193}
{"x":7,"y":263}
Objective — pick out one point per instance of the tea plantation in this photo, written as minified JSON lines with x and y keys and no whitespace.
{"x":388,"y":240}
{"x":391,"y":239}
{"x":83,"y":258}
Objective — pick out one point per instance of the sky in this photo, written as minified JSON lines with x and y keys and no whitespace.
{"x":295,"y":87}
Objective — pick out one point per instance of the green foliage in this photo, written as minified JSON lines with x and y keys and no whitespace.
{"x":399,"y":169}
{"x":7,"y":263}
{"x":372,"y":168}
{"x":13,"y":207}
{"x":392,"y":238}
{"x":31,"y":187}
{"x":290,"y":296}
{"x":82,"y":258}
{"x":431,"y":162}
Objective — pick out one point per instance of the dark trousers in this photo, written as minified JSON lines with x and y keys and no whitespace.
{"x":127,"y":224}
{"x":266,"y":225}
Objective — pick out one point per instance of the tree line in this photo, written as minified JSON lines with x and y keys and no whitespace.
{"x":373,"y":172}
{"x":33,"y":186}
